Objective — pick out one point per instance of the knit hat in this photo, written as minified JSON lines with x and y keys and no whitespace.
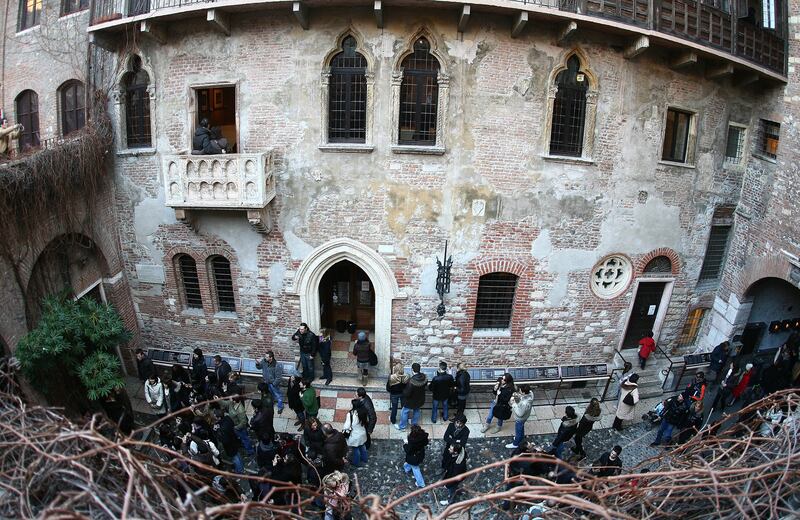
{"x":362,"y":336}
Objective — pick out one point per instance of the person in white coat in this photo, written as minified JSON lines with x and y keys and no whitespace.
{"x":521,"y":405}
{"x":355,"y":429}
{"x":628,"y":397}
{"x":154,"y":395}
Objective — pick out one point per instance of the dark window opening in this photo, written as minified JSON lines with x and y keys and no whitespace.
{"x":734,"y":147}
{"x":27,"y":108}
{"x":569,"y":111}
{"x":218,"y":105}
{"x":137,"y":106}
{"x":73,"y":6}
{"x":347,"y":98}
{"x":691,"y":327}
{"x":29,"y":13}
{"x":676,"y":136}
{"x":73,"y":110}
{"x":770,"y":136}
{"x":223,"y":283}
{"x":659,"y":264}
{"x":190,"y":282}
{"x":715,"y":252}
{"x":419,"y":96}
{"x":495,"y":301}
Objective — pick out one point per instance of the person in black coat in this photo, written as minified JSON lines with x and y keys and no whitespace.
{"x":334,"y":450}
{"x":222,"y":369}
{"x":144,"y":366}
{"x":414,"y":446}
{"x":395,"y":385}
{"x":500,"y":407}
{"x":457,"y":431}
{"x":440,"y":387}
{"x":293,"y":393}
{"x":261,"y":422}
{"x":455,"y":467}
{"x":324,"y":349}
{"x":266,"y":449}
{"x":462,"y":388}
{"x":313,"y":438}
{"x":567,"y":428}
{"x":413,"y":397}
{"x":364,"y":401}
{"x":308,"y":342}
{"x":199,"y":371}
{"x":225,"y":434}
{"x":609,"y":463}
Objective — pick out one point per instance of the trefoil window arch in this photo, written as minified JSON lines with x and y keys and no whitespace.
{"x":347,"y":99}
{"x":572,"y":109}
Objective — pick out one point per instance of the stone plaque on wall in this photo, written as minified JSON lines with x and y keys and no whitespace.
{"x":150,"y":273}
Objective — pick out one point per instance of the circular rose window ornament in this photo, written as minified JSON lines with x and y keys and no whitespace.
{"x":611,"y":276}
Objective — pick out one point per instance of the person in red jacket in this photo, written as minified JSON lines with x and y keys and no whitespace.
{"x":647,"y":346}
{"x":739,"y":389}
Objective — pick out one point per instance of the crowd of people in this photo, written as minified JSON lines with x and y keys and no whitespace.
{"x":209,"y":421}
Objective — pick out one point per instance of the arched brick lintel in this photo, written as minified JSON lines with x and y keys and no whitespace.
{"x":674,"y":259}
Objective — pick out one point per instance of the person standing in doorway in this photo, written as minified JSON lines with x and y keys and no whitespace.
{"x":272,"y":373}
{"x":395,"y":385}
{"x":413,"y":397}
{"x":440,"y":387}
{"x":324,"y":350}
{"x":414,"y":446}
{"x":521,"y":405}
{"x":362,"y":348}
{"x":628,"y":397}
{"x":307,"y":341}
{"x":647,"y":346}
{"x":462,"y":388}
{"x":590,"y":417}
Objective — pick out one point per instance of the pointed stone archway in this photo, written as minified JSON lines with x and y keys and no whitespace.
{"x":316,"y":264}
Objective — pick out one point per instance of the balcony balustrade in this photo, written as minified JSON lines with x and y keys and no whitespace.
{"x":243,"y":181}
{"x":710,"y":23}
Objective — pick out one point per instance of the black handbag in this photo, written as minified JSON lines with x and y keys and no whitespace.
{"x":502,"y":411}
{"x":628,"y":399}
{"x":373,"y":358}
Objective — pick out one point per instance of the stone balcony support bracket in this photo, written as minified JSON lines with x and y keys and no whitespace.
{"x":227,"y":182}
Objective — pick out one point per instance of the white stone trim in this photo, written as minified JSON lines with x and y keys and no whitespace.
{"x":663,"y":306}
{"x":118,"y":98}
{"x":317,"y":263}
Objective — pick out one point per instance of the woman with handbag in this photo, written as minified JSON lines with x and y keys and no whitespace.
{"x":500,"y":407}
{"x":628,"y":397}
{"x":355,"y":430}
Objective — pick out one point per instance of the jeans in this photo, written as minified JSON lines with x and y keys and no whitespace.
{"x":395,"y":401}
{"x":327,"y":373}
{"x":360,"y":456}
{"x":238,"y":465}
{"x":558,"y":449}
{"x":436,"y":409}
{"x":417,"y":473}
{"x":245,"y":438}
{"x":642,"y":362}
{"x":491,"y":415}
{"x":519,"y":432}
{"x":664,"y":430}
{"x":276,"y":395}
{"x":307,"y":360}
{"x":404,"y":416}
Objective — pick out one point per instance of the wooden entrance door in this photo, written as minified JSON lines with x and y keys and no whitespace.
{"x":644,"y":312}
{"x":346,"y":294}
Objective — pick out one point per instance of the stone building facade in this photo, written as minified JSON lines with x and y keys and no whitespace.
{"x":583,"y":234}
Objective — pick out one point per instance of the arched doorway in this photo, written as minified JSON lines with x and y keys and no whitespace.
{"x":347,"y":298}
{"x":773,"y":316}
{"x":313,"y":269}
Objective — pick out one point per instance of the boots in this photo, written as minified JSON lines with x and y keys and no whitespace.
{"x":364,"y":377}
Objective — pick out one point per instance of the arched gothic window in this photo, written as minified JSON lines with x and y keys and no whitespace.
{"x":189,"y":282}
{"x":27,"y":108}
{"x":222,"y":283}
{"x":73,"y":106}
{"x":347,"y":98}
{"x":137,"y":106}
{"x":569,"y":110}
{"x":419,"y":96}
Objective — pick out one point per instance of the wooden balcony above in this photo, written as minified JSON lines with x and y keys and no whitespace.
{"x":243,"y":181}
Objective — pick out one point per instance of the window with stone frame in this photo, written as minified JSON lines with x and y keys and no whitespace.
{"x":691,"y":327}
{"x":717,"y":246}
{"x":222,"y":283}
{"x":188,"y":282}
{"x":72,"y":105}
{"x":26,"y":106}
{"x":768,"y":139}
{"x":137,"y":106}
{"x":677,"y":133}
{"x":347,"y":95}
{"x":30,"y":12}
{"x":419,"y":96}
{"x":569,"y":111}
{"x":734,"y":144}
{"x":73,"y":6}
{"x":494,"y":305}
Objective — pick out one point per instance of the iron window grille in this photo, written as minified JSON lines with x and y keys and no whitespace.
{"x":569,"y":111}
{"x":769,"y":139}
{"x":73,"y":6}
{"x":29,"y":13}
{"x":495,"y":302}
{"x":223,"y":284}
{"x":27,"y":108}
{"x":691,"y":327}
{"x":419,"y":96}
{"x":715,"y":252}
{"x":190,"y":282}
{"x":347,"y":110}
{"x":659,"y":264}
{"x":734,"y":146}
{"x":137,"y":107}
{"x":73,"y":110}
{"x":676,"y":135}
